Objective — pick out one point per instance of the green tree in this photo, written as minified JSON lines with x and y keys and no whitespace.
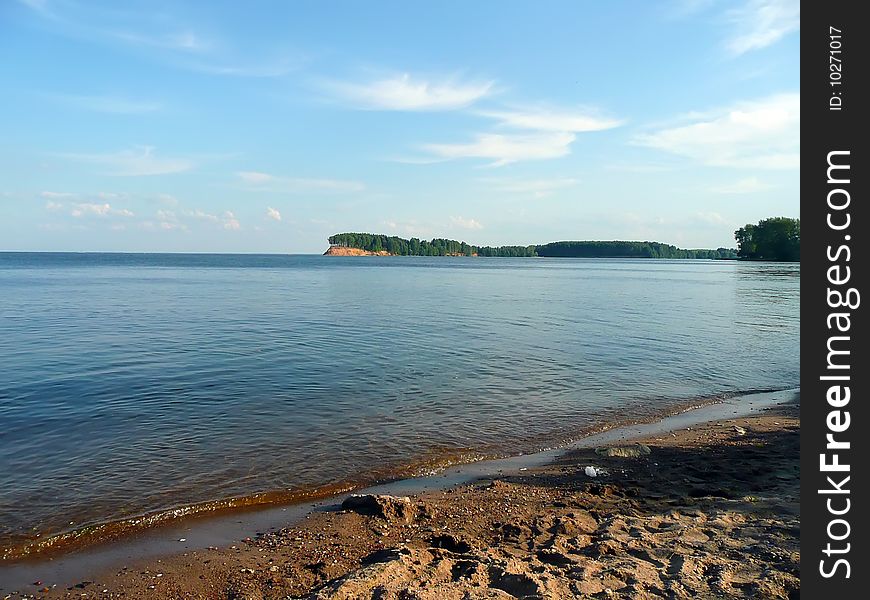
{"x":777,"y":238}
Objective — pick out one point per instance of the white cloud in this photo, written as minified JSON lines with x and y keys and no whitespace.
{"x":538,"y":188}
{"x":168,"y":220}
{"x":230,"y":221}
{"x":748,"y":185}
{"x":547,"y":119}
{"x":506,"y":149}
{"x":552,"y":131}
{"x":58,"y":195}
{"x":273,"y":213}
{"x":89,"y":208}
{"x":264,"y":182}
{"x":406,"y":94}
{"x":203,"y":216}
{"x":53,"y":206}
{"x":84,"y":209}
{"x":465,"y":223}
{"x":760,"y":23}
{"x":762,"y":134}
{"x":138,"y":161}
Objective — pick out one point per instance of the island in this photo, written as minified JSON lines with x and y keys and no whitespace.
{"x":370,"y":244}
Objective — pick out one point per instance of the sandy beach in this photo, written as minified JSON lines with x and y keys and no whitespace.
{"x":709,"y":511}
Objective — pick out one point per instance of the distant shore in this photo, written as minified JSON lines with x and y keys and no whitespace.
{"x":342,"y":251}
{"x":706,"y":512}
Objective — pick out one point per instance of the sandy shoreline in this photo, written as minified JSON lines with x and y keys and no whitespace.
{"x":81,"y":539}
{"x":711,"y":511}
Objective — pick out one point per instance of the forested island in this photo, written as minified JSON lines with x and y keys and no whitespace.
{"x":368,"y":243}
{"x":778,"y":238}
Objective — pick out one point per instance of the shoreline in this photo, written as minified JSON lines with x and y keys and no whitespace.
{"x":217,"y":530}
{"x":99,"y":533}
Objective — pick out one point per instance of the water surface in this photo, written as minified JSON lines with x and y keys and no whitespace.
{"x":135,"y":383}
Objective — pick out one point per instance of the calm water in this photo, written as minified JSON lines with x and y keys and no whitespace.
{"x":133,"y":383}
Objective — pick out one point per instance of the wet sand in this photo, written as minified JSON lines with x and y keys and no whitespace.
{"x":711,"y":511}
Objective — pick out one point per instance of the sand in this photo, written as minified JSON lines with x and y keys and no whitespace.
{"x":709,"y":512}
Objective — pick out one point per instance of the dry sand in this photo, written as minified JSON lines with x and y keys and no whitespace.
{"x":710,"y":512}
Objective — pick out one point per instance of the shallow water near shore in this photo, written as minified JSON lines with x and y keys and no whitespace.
{"x":189,"y":536}
{"x":135,"y":384}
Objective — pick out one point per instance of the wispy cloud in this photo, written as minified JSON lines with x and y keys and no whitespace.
{"x":187,"y":41}
{"x":158,"y":35}
{"x":761,"y":23}
{"x":506,"y":149}
{"x":202,"y":215}
{"x":539,"y":188}
{"x":108,"y":104}
{"x":84,"y":209}
{"x":748,"y":185}
{"x":404,"y":93}
{"x":230,"y":221}
{"x":135,"y":162}
{"x":273,"y":213}
{"x":553,"y":119}
{"x":265,"y":182}
{"x":547,"y":133}
{"x":464,"y":223}
{"x":762,"y":134}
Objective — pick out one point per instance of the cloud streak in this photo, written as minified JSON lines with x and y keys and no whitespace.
{"x":404,"y":93}
{"x":761,"y":134}
{"x":557,"y":120}
{"x":85,"y":209}
{"x":761,"y":23}
{"x":505,"y":149}
{"x":545,"y":133}
{"x":138,"y":161}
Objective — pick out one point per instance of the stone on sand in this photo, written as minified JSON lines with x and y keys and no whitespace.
{"x":633,"y":451}
{"x":389,"y":508}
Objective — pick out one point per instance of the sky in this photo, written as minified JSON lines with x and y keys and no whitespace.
{"x":266,"y":126}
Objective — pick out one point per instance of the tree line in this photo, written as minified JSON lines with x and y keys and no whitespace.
{"x":619,"y":249}
{"x":416,"y":247}
{"x":591,"y":249}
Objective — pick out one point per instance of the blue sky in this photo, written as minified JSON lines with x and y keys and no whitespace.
{"x":267,"y":126}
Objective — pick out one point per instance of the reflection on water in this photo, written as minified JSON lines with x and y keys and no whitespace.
{"x":138,"y":382}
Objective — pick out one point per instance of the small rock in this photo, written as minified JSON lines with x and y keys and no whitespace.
{"x":632,"y":451}
{"x":591,"y":471}
{"x":389,"y":508}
